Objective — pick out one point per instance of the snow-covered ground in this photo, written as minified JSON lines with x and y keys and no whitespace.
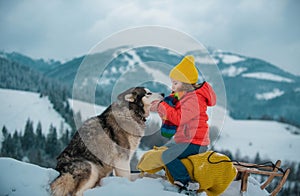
{"x":272,"y":140}
{"x":19,"y":106}
{"x":86,"y":110}
{"x":19,"y":178}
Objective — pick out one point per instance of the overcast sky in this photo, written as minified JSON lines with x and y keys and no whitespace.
{"x":62,"y":30}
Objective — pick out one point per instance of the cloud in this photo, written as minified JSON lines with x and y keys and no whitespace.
{"x":61,"y":29}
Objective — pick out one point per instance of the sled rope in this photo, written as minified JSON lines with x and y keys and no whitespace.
{"x":259,"y":165}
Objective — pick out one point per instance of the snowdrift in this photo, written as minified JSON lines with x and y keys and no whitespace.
{"x":20,"y":178}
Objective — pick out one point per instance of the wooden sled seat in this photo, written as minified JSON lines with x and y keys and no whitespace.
{"x":274,"y":170}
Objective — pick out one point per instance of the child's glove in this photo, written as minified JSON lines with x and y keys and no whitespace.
{"x":170,"y":100}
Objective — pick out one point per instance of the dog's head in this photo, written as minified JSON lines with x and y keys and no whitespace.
{"x":139,"y":99}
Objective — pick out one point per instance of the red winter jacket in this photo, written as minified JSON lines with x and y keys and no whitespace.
{"x":189,"y":115}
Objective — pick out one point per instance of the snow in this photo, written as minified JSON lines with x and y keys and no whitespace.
{"x":269,"y":95}
{"x":18,"y":106}
{"x":233,"y":71}
{"x":206,"y":60}
{"x":172,"y":53}
{"x":3,"y":55}
{"x":156,"y":73}
{"x":19,"y":178}
{"x":86,"y":110}
{"x":272,"y":140}
{"x":230,"y":58}
{"x":267,"y":76}
{"x":120,"y":51}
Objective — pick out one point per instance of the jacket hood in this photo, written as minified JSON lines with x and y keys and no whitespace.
{"x":208,"y":93}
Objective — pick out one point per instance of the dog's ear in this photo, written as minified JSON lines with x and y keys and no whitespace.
{"x":129,"y":95}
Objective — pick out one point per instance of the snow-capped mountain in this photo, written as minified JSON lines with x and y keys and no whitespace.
{"x":255,"y":89}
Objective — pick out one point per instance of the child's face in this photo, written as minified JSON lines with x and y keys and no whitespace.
{"x":176,"y":85}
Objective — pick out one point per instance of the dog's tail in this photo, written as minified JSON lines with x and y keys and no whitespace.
{"x":64,"y":185}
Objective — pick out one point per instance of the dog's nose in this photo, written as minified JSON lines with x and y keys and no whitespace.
{"x":162,"y":94}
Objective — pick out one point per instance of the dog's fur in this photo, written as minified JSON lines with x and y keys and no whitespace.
{"x":104,"y":143}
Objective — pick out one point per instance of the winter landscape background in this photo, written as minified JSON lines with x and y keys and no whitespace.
{"x":46,"y":92}
{"x":261,"y":120}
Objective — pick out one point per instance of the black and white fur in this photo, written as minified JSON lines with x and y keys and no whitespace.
{"x":104,"y":144}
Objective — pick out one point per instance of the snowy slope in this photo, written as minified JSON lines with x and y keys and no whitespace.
{"x":86,"y":110}
{"x":273,"y":140}
{"x":17,"y":179}
{"x":18,"y":106}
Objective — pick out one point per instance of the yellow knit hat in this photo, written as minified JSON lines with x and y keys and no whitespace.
{"x":185,"y":71}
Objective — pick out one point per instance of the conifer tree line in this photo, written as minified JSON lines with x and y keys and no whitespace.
{"x":19,"y":77}
{"x":33,"y":146}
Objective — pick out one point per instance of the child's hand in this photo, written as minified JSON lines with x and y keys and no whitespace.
{"x":154,"y":106}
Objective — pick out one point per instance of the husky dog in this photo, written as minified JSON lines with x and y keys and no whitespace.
{"x":104,"y":144}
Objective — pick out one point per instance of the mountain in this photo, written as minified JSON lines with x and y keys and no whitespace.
{"x":16,"y":179}
{"x":36,"y":64}
{"x":256,"y":89}
{"x":249,"y":88}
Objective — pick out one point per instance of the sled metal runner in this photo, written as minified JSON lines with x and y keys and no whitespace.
{"x":274,"y":170}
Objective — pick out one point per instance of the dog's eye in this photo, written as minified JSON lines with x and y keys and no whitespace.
{"x":149,"y":93}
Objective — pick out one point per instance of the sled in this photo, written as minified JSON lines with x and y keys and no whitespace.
{"x":274,"y":170}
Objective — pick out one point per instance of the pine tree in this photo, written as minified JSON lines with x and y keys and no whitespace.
{"x":65,"y":138}
{"x":52,"y":146}
{"x":5,"y":142}
{"x":28,"y":137}
{"x":18,"y":152}
{"x":4,"y":132}
{"x":40,"y":138}
{"x":257,"y":159}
